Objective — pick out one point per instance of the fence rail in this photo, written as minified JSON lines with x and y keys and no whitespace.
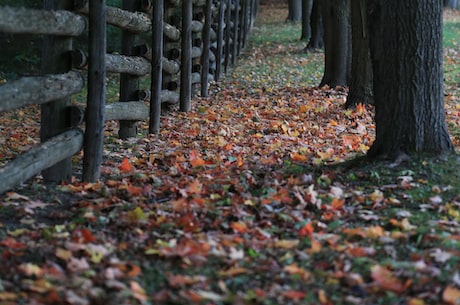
{"x":192,"y":42}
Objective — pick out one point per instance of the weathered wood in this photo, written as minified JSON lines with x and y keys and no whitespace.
{"x":196,"y":52}
{"x":178,"y":3}
{"x":157,"y":66}
{"x":170,"y":97}
{"x":206,"y":48}
{"x":95,"y":110}
{"x":136,"y":22}
{"x":144,"y":95}
{"x":228,"y":29}
{"x":20,"y":20}
{"x":169,"y":66}
{"x":39,"y":158}
{"x":129,"y":83}
{"x":236,"y":32}
{"x":220,"y":39}
{"x":133,"y":65}
{"x":197,"y":26}
{"x":131,"y":111}
{"x":54,"y":115}
{"x":186,"y":57}
{"x":39,"y":90}
{"x":171,"y":32}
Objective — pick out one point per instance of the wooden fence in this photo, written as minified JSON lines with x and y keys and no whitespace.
{"x":192,"y":43}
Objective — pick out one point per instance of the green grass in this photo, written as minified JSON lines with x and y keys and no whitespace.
{"x":452,"y":52}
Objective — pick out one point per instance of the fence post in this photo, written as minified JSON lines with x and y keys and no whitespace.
{"x":220,"y":38}
{"x":206,"y":49}
{"x":186,"y":56}
{"x":236,"y":39}
{"x":55,"y":117}
{"x":228,"y":21}
{"x":129,"y":84}
{"x":95,"y":109}
{"x":157,"y":66}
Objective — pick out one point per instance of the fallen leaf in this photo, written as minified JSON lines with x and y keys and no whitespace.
{"x":386,"y":280}
{"x":451,"y":295}
{"x":126,"y":166}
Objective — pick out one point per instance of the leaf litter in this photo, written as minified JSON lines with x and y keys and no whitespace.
{"x":247,"y":199}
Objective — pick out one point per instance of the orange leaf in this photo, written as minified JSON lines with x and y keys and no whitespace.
{"x":195,"y":187}
{"x":195,"y":160}
{"x":294,"y":294}
{"x":337,"y":204}
{"x":451,"y":295}
{"x":387,"y":280}
{"x":298,"y":157}
{"x":239,"y":227}
{"x":126,"y":166}
{"x":306,"y":230}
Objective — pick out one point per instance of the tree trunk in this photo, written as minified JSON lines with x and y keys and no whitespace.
{"x":452,"y":3}
{"x":306,"y":13}
{"x":406,"y":49}
{"x":295,"y":10}
{"x":361,"y":87}
{"x":316,"y":24}
{"x":336,"y":14}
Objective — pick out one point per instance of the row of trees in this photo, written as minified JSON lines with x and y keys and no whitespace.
{"x":389,"y":53}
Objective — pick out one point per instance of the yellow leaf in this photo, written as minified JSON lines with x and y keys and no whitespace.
{"x":287,"y":243}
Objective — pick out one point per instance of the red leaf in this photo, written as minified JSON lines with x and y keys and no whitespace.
{"x":306,"y":230}
{"x":294,"y":294}
{"x":126,"y":166}
{"x":83,"y":236}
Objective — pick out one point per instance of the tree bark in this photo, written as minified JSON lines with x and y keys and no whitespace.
{"x":361,"y":87}
{"x":406,"y":48}
{"x":336,"y":14}
{"x":316,"y":24}
{"x":295,"y":10}
{"x":307,"y":6}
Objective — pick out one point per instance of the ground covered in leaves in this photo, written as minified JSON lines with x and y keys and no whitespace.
{"x":257,"y":196}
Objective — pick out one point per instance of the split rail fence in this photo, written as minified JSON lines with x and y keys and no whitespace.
{"x":193,"y":42}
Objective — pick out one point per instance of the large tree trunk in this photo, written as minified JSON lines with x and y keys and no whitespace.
{"x":406,"y":48}
{"x":295,"y":10}
{"x":360,"y":87}
{"x":336,"y":17}
{"x":316,"y":25}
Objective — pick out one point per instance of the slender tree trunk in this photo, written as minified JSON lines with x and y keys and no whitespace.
{"x":336,"y":14}
{"x":295,"y":10}
{"x":306,"y":13}
{"x":406,"y":48}
{"x":316,"y":24}
{"x":361,"y":87}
